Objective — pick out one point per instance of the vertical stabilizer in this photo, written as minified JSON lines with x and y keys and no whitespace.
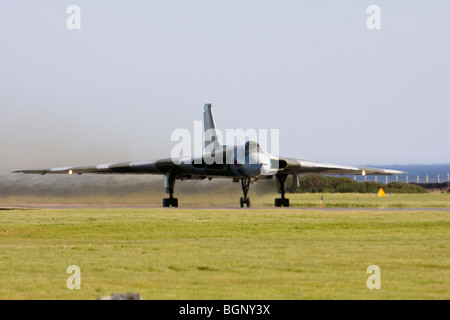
{"x":211,"y":141}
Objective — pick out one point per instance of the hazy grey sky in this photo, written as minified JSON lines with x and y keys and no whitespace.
{"x":137,"y":70}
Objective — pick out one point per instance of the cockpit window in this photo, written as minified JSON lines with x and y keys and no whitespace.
{"x":252,"y":146}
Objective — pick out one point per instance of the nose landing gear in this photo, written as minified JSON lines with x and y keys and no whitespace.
{"x":245,"y":183}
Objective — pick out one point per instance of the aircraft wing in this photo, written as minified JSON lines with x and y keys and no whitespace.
{"x":164,"y":166}
{"x":137,"y":167}
{"x":295,"y":166}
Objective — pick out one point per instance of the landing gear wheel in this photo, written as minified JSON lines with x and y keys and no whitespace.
{"x":280,"y":202}
{"x":170,"y":202}
{"x":166,"y":202}
{"x":246,"y":201}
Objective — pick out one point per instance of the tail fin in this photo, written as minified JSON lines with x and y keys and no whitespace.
{"x":211,"y":141}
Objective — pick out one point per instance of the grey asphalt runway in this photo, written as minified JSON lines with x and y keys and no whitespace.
{"x":59,"y":207}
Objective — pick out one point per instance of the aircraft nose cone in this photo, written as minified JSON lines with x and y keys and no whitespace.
{"x":252,"y":170}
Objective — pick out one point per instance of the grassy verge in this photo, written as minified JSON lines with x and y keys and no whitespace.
{"x":224,"y":254}
{"x":359,"y":200}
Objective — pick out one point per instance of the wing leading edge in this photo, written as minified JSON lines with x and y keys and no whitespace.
{"x":296,"y":166}
{"x":134,"y":167}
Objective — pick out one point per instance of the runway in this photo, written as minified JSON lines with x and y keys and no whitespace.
{"x":105,"y":207}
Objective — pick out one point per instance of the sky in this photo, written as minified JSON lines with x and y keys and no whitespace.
{"x":115,"y":89}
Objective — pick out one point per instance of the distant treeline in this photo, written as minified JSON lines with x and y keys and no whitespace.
{"x":318,"y":183}
{"x":435,"y":186}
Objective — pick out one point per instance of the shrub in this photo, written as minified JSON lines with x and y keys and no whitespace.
{"x":319,"y":183}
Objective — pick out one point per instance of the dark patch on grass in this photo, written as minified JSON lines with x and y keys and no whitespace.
{"x":294,"y":270}
{"x":206,"y":268}
{"x":175,"y":268}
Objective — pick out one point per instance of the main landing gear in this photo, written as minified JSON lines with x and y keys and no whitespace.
{"x":281,"y":181}
{"x":245,"y":183}
{"x":169,"y":182}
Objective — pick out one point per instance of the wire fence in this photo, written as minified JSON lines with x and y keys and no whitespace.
{"x":408,"y":178}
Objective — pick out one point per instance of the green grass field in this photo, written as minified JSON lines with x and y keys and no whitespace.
{"x":229,"y":253}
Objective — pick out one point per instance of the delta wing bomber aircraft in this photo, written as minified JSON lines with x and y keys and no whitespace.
{"x":245,"y":163}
